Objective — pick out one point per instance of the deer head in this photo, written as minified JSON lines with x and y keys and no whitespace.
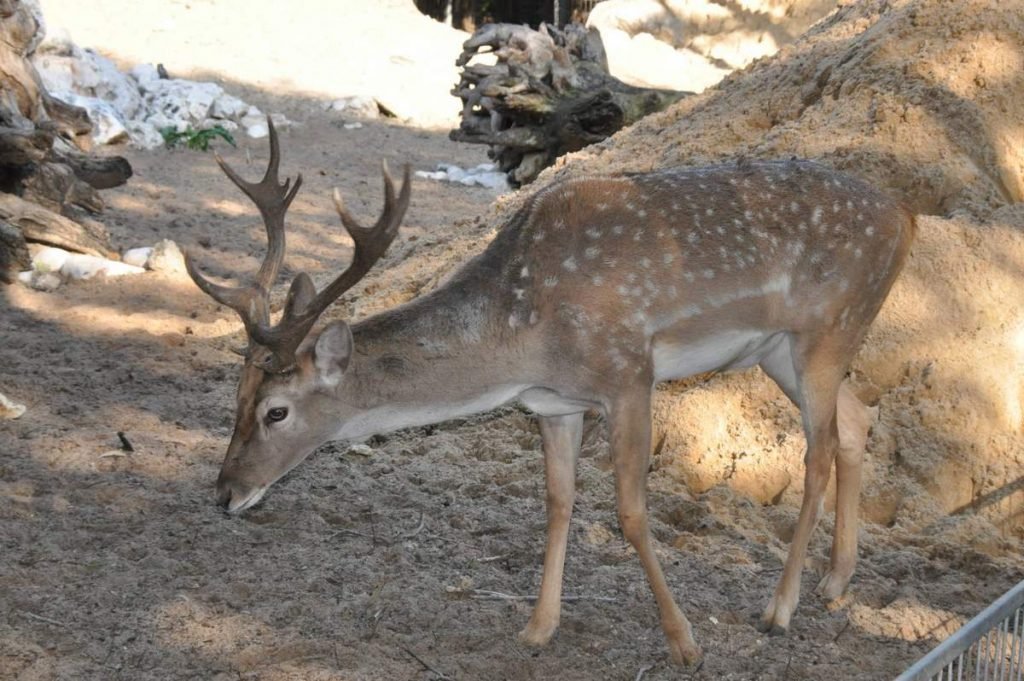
{"x":289,"y":366}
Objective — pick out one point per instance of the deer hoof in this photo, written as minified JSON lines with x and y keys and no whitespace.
{"x":537,"y":634}
{"x":833,"y":585}
{"x":775,"y":619}
{"x":685,"y":653}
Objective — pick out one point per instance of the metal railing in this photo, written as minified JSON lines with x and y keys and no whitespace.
{"x":989,"y":647}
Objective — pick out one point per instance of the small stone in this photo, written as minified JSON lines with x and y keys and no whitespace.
{"x":360,"y":449}
{"x":228,"y":106}
{"x":257,"y":131}
{"x":365,"y":107}
{"x":166,"y":257}
{"x":144,"y":74}
{"x":47,"y":282}
{"x":10,"y":409}
{"x":352,"y":126}
{"x":137,"y":256}
{"x":49,"y":259}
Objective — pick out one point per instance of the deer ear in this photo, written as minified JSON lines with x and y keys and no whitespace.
{"x":332,"y":352}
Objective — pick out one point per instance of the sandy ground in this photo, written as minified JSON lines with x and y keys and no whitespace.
{"x":120,"y":566}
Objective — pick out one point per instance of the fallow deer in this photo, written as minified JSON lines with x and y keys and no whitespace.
{"x":595,"y":290}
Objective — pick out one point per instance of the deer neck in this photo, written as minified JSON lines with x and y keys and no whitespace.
{"x":439,"y":357}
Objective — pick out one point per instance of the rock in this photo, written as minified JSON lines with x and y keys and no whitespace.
{"x":78,"y":266}
{"x":144,"y":75}
{"x":365,"y":107}
{"x":360,"y":449}
{"x":89,"y":74}
{"x":228,"y":106}
{"x":230,"y":126}
{"x":49,"y":259}
{"x":136,"y":256}
{"x":109,"y":126}
{"x":166,"y":257}
{"x":179,"y":99}
{"x":10,"y":409}
{"x":484,"y":175}
{"x":352,"y":126}
{"x":160,"y":120}
{"x":45,"y":281}
{"x":145,"y":135}
{"x":257,"y":131}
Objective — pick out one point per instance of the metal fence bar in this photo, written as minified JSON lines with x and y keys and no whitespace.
{"x":1004,"y":659}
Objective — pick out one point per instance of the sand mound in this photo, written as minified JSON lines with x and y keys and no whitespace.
{"x":922,"y":97}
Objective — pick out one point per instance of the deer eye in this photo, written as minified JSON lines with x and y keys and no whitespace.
{"x":277,"y":414}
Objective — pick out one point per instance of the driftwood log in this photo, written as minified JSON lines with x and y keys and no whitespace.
{"x":548,"y":94}
{"x":48,"y":180}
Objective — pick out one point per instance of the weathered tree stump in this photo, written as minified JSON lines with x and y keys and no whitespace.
{"x":548,"y":94}
{"x":46,"y":174}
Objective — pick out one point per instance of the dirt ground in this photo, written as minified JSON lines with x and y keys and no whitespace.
{"x":412,"y":560}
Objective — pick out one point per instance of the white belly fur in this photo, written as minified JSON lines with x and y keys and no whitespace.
{"x":722,"y":351}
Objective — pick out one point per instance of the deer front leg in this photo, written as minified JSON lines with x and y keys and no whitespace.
{"x":854,"y":420}
{"x":562,"y":436}
{"x":630,"y":434}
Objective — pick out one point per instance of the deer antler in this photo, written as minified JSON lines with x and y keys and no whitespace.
{"x":303,"y":305}
{"x":272,"y":198}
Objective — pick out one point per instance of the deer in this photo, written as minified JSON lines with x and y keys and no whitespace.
{"x":594,"y":291}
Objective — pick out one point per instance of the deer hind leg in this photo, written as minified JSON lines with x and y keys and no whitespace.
{"x":854,"y":420}
{"x":561,"y":436}
{"x":630,"y":434}
{"x":810,"y":375}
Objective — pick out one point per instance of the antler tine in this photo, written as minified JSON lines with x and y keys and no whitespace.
{"x":272,"y":198}
{"x":370,"y":245}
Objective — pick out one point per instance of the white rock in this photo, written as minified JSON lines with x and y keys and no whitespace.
{"x":166,"y":257}
{"x":108,"y":124}
{"x":10,"y":409}
{"x":47,"y":281}
{"x":136,"y":256}
{"x":78,"y":266}
{"x":257,"y":131}
{"x":365,"y":107}
{"x":254,"y":111}
{"x":58,"y":41}
{"x":228,"y":106}
{"x":230,"y":126}
{"x":484,"y":175}
{"x":182,"y":99}
{"x":352,"y":126}
{"x":49,"y":259}
{"x":160,"y":120}
{"x":145,"y":135}
{"x":144,"y":74}
{"x":252,"y":119}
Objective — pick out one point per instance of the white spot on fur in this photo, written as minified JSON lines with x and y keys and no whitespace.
{"x":570,"y":264}
{"x":550,"y":282}
{"x":591,"y":253}
{"x":816,"y":215}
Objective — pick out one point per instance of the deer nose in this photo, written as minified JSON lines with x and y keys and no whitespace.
{"x":223,"y":492}
{"x":223,"y":496}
